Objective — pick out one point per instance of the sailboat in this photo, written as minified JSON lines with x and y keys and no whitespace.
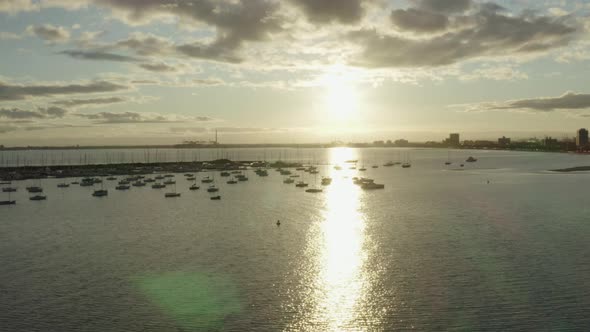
{"x":63,"y":184}
{"x":100,"y":192}
{"x":38,"y":190}
{"x":194,"y":186}
{"x":315,"y":189}
{"x":407,"y":163}
{"x":448,"y":162}
{"x":172,"y":194}
{"x":9,"y":201}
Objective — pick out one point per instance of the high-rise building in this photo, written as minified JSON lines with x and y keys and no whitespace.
{"x":454,"y":139}
{"x":582,"y":138}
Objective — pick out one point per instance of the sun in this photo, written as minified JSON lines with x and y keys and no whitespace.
{"x":340,"y":96}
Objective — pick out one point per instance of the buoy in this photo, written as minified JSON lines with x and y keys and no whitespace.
{"x":278,"y":223}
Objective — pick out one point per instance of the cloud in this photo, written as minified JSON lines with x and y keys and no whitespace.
{"x":20,"y":92}
{"x":15,"y":6}
{"x":445,"y":6}
{"x":86,"y":102}
{"x":158,"y":67}
{"x":124,"y":117}
{"x":53,"y":111}
{"x":496,"y":73}
{"x":567,"y":101}
{"x":419,"y":20}
{"x":208,"y":81}
{"x":50,"y":33}
{"x":40,"y":113}
{"x":99,"y":56}
{"x":234,"y":22}
{"x":326,"y":11}
{"x":138,"y":118}
{"x":146,"y":82}
{"x":6,"y":129}
{"x":487,"y":32}
{"x":9,"y":35}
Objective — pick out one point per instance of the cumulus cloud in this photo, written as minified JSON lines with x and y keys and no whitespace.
{"x":50,"y":33}
{"x":419,"y":20}
{"x":445,"y":6}
{"x":20,"y":92}
{"x":326,"y":11}
{"x":567,"y":101}
{"x":486,"y":32}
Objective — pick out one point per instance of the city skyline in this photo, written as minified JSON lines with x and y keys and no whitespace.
{"x":110,"y":72}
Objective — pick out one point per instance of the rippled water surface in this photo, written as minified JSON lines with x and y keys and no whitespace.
{"x":438,"y":249}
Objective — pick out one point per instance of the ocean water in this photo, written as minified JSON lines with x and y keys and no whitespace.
{"x":439,"y":248}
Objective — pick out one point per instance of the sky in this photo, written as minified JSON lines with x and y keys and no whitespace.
{"x":110,"y":72}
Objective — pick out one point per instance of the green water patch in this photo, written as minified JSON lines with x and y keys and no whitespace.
{"x":196,"y":301}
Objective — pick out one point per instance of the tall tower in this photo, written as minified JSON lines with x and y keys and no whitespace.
{"x":216,"y":142}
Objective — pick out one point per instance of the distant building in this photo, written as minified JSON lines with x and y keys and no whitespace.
{"x":549,"y":141}
{"x":401,"y":142}
{"x":453,"y":140}
{"x":503,"y":141}
{"x":582,"y":138}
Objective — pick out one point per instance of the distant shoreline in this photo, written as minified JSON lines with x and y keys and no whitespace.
{"x":285,"y":146}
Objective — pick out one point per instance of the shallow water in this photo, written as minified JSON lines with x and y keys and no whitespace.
{"x":437,"y":249}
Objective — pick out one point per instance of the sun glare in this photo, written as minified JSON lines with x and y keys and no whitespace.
{"x":341,"y":100}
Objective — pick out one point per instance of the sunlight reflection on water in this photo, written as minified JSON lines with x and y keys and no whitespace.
{"x":338,"y":248}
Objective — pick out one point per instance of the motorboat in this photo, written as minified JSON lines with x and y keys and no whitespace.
{"x":372,"y":185}
{"x":35,"y":189}
{"x":38,"y":198}
{"x":100,"y":193}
